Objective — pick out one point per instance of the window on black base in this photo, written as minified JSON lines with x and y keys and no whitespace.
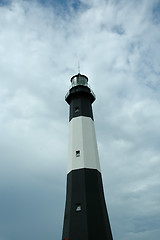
{"x":78,"y":207}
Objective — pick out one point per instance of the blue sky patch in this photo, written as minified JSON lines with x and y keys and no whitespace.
{"x":4,"y":2}
{"x":65,"y":4}
{"x":156,"y":13}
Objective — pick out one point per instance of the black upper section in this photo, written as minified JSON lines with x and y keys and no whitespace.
{"x":80,"y":99}
{"x":86,"y":216}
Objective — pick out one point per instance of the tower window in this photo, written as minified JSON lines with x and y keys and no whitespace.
{"x":78,"y":207}
{"x":76,"y":109}
{"x":78,"y":153}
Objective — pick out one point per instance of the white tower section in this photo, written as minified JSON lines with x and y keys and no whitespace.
{"x":83,"y":151}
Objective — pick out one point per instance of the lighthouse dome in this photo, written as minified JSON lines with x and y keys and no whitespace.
{"x":79,"y":79}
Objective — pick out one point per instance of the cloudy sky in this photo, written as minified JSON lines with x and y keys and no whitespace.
{"x":118,"y":46}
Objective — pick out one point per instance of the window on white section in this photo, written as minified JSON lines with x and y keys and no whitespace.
{"x":78,"y":153}
{"x":78,"y":207}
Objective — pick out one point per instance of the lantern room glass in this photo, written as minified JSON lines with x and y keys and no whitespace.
{"x":79,"y":80}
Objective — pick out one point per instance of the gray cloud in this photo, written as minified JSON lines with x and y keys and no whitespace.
{"x":117,"y":44}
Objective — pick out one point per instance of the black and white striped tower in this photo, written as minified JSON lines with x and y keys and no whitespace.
{"x":86,"y":216}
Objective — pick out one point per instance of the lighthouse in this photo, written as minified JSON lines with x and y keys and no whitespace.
{"x":86,"y":216}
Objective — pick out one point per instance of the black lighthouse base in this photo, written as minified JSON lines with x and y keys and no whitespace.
{"x":86,"y":216}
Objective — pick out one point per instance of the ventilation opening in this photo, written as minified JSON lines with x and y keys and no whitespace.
{"x":78,"y":207}
{"x":78,"y":153}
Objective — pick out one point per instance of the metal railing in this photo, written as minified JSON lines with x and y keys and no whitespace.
{"x":78,"y":84}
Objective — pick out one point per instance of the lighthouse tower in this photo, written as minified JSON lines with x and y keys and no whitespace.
{"x":86,"y":216}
